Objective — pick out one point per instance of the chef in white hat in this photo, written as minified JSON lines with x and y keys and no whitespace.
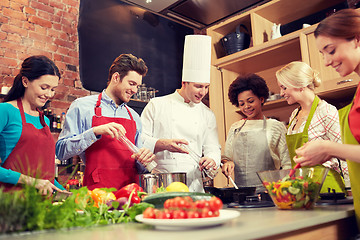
{"x":178,"y":119}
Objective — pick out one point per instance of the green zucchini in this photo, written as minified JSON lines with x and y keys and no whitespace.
{"x":158,"y":199}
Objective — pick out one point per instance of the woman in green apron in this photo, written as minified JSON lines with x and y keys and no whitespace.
{"x":314,"y":119}
{"x":338,"y":39}
{"x":254,"y":143}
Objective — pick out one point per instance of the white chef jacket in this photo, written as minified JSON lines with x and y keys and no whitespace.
{"x":170,"y":117}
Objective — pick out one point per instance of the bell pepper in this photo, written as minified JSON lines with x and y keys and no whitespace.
{"x":127,"y":190}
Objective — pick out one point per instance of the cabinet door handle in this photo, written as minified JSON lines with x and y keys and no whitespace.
{"x":344,"y":81}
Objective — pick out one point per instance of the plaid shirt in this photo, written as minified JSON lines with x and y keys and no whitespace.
{"x":324,"y":125}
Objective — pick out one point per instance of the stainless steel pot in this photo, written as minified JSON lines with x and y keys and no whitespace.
{"x":150,"y":182}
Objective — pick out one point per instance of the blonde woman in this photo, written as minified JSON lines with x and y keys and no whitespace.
{"x":314,"y":119}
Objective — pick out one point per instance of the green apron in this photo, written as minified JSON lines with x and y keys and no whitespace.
{"x":294,"y":141}
{"x":354,"y":167}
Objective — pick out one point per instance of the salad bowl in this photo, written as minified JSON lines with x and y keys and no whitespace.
{"x":299,"y":191}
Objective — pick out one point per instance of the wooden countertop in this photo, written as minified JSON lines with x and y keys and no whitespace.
{"x":336,"y":222}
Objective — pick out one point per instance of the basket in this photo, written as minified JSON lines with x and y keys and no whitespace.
{"x":236,"y":41}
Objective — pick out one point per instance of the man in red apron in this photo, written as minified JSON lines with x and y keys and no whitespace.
{"x":93,"y":125}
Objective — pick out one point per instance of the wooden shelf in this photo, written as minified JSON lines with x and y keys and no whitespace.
{"x":265,"y":56}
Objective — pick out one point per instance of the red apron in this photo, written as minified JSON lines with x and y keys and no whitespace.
{"x":34,"y":153}
{"x":108,"y":161}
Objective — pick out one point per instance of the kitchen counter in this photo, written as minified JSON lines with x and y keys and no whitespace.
{"x":335,"y":222}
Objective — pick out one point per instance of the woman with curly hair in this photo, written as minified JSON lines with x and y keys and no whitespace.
{"x":255,"y":143}
{"x":314,"y":119}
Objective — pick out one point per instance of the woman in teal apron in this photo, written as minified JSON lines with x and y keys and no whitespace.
{"x":314,"y":119}
{"x":337,"y":38}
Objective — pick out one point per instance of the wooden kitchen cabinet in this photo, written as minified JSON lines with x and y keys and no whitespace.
{"x":265,"y":56}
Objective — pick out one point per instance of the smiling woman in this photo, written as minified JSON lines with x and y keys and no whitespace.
{"x":314,"y":119}
{"x":22,"y":123}
{"x":254,"y":143}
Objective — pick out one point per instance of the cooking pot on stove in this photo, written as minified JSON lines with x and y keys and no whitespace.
{"x":150,"y":182}
{"x":228,"y":195}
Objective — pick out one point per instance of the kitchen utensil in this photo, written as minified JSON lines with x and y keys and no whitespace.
{"x":228,"y":195}
{"x":60,"y":196}
{"x":292,"y":171}
{"x":150,"y":182}
{"x":236,"y":41}
{"x":299,"y":193}
{"x":205,"y":172}
{"x":230,"y":178}
{"x":134,"y":149}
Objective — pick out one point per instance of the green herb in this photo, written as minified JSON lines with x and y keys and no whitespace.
{"x":160,"y":189}
{"x":27,"y":210}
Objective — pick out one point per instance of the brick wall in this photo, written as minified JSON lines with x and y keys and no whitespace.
{"x":47,"y":27}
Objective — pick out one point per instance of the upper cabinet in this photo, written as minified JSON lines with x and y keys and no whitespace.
{"x":265,"y":56}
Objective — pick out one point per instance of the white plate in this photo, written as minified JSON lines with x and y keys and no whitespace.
{"x":225,"y":216}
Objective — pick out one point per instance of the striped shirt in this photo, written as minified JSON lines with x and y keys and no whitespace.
{"x":324,"y":125}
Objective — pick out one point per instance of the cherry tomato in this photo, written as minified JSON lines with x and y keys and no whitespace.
{"x":215,"y":204}
{"x":188,"y":199}
{"x":201,"y":204}
{"x":167,"y":203}
{"x":216,"y":213}
{"x":162,"y":214}
{"x":193,"y":214}
{"x":179,"y":214}
{"x":206,"y":212}
{"x":149,"y":213}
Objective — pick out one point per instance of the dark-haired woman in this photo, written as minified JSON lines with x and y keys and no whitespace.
{"x":338,"y":40}
{"x":254,"y":143}
{"x":27,"y":148}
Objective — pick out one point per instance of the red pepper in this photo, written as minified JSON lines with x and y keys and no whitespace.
{"x":73,"y":182}
{"x":126,"y":191}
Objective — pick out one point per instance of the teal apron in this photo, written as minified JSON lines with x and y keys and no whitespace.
{"x":294,"y":141}
{"x":354,"y":167}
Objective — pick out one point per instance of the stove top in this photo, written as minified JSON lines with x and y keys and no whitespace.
{"x":346,"y":200}
{"x":259,"y":204}
{"x":260,"y":200}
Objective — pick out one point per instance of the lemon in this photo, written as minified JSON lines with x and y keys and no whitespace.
{"x":177,"y":187}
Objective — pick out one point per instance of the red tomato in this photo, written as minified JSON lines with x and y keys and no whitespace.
{"x":176,"y":201}
{"x":201,"y":204}
{"x":188,"y":199}
{"x":179,"y":214}
{"x":215,"y":204}
{"x":167,"y":203}
{"x":193,"y":214}
{"x":206,"y":212}
{"x":162,"y":214}
{"x":181,"y":203}
{"x":216,"y":213}
{"x":149,"y":213}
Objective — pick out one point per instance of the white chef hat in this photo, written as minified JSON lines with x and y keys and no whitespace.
{"x":197,"y":59}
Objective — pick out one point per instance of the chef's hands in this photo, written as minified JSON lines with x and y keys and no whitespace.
{"x":207,"y":163}
{"x":144,"y":156}
{"x":228,"y":168}
{"x":45,"y":187}
{"x":115,"y":130}
{"x":172,"y":145}
{"x":313,"y":153}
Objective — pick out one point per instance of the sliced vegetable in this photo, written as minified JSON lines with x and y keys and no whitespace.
{"x":293,"y":192}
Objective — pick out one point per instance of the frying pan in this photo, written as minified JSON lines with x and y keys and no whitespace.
{"x":228,"y":195}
